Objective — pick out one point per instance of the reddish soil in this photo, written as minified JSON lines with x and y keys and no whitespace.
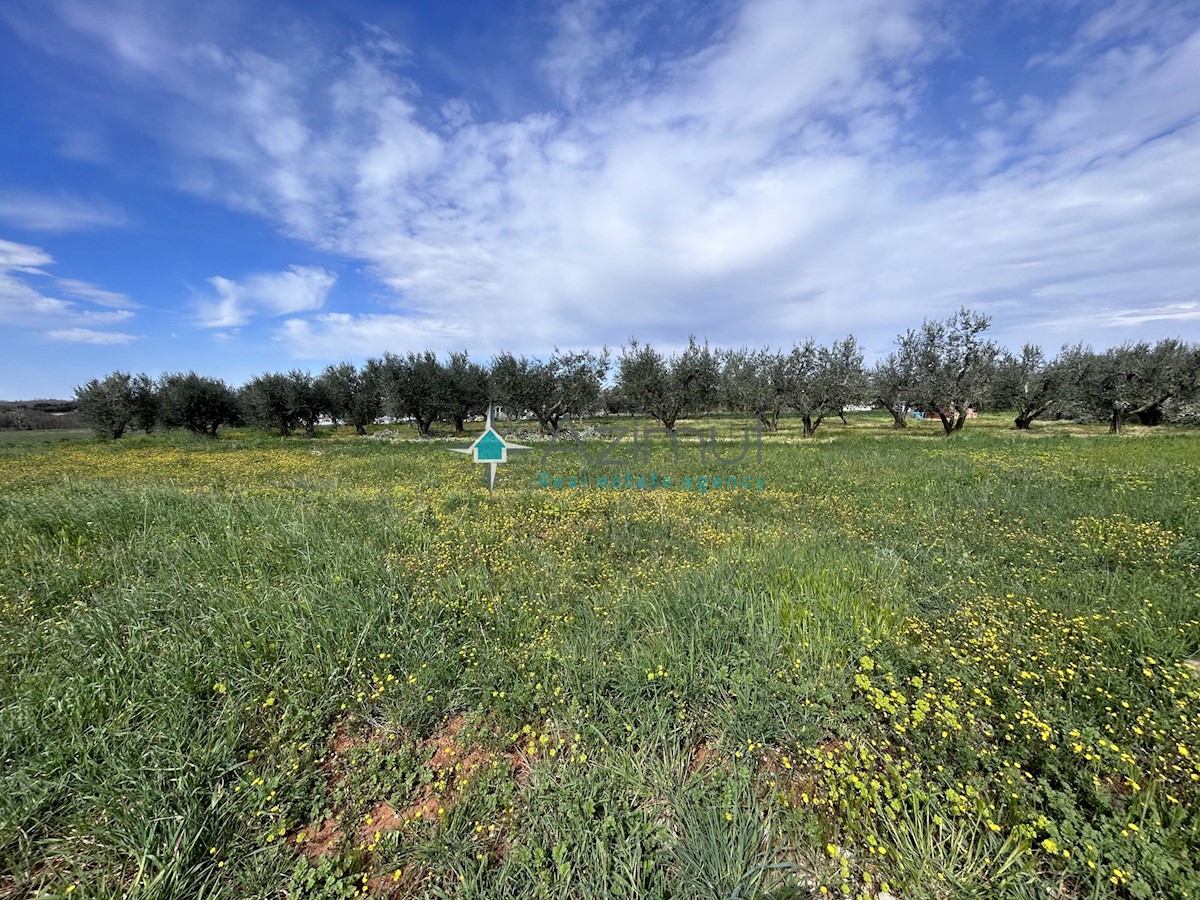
{"x":450,"y":759}
{"x":320,"y":840}
{"x":700,"y":756}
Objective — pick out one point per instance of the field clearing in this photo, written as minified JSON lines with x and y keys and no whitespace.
{"x":10,"y":439}
{"x":265,"y":667}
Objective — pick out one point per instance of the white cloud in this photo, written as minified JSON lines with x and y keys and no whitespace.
{"x":135,"y":38}
{"x":1178,"y":312}
{"x":25,"y":304}
{"x":22,"y":256}
{"x":94,"y":294}
{"x":778,"y":182}
{"x":88,"y":336}
{"x":39,"y":212}
{"x":1126,"y":99}
{"x":297,"y":289}
{"x":340,"y":335}
{"x":577,"y":59}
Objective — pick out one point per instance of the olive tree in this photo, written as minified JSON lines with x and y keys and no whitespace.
{"x":754,"y":382}
{"x":568,"y":383}
{"x":951,"y":365}
{"x":1134,"y":380}
{"x":199,"y":404}
{"x":310,"y":400}
{"x":823,"y":381}
{"x":1027,"y":384}
{"x":413,"y":387}
{"x":352,"y":395}
{"x":267,"y":401}
{"x":106,"y":405}
{"x":145,"y":402}
{"x":669,"y":388}
{"x":465,"y":388}
{"x":891,"y":386}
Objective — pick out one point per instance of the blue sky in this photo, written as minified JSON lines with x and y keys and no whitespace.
{"x":235,"y":187}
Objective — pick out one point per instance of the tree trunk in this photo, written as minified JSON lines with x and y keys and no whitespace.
{"x":960,"y":417}
{"x":898,"y":415}
{"x":811,"y":426}
{"x":1025,"y":419}
{"x":459,"y":423}
{"x":1114,"y":426}
{"x":842,"y":416}
{"x":360,"y":429}
{"x":947,"y":423}
{"x":1150,"y":414}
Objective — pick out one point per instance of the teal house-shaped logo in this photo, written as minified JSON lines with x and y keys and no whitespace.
{"x":491,"y":449}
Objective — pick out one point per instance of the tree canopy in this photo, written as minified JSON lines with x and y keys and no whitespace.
{"x":106,"y":405}
{"x":669,"y":388}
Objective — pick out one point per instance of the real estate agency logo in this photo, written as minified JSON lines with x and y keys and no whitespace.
{"x":490,"y":449}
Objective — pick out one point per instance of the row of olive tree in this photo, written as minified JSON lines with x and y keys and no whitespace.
{"x":120,"y":401}
{"x":1141,"y":382}
{"x":946,"y":367}
{"x":418,"y":386}
{"x":943,"y":369}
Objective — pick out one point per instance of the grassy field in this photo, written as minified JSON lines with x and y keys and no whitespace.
{"x":264,"y":667}
{"x":10,"y":439}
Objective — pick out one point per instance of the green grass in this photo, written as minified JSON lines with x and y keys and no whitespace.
{"x":10,"y":439}
{"x":264,"y":667}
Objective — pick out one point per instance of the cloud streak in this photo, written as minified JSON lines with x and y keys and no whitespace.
{"x":60,"y":213}
{"x":69,"y":313}
{"x":88,"y":336}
